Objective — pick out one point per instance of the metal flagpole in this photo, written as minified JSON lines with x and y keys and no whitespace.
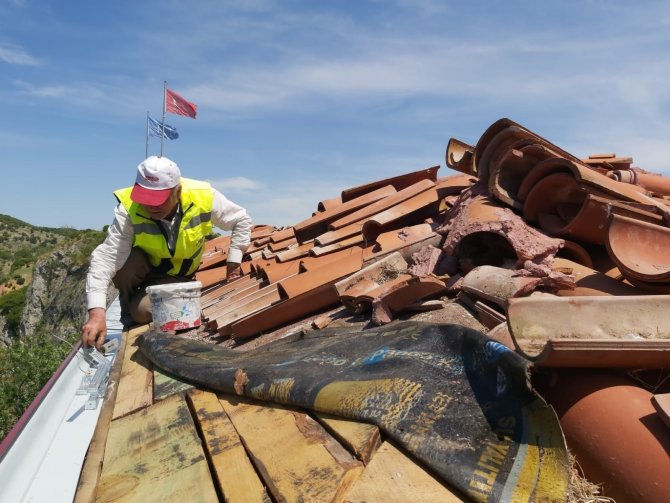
{"x":163,"y":125}
{"x":146,"y":148}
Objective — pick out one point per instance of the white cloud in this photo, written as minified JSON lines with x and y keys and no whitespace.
{"x":103,"y":96}
{"x":237,"y":183}
{"x":80,"y":94}
{"x":15,"y":55}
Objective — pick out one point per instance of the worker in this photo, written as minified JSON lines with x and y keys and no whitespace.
{"x":158,"y":237}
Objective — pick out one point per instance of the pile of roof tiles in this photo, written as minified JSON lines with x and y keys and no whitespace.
{"x":565,"y":260}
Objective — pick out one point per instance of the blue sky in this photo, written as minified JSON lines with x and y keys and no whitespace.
{"x":298,"y":100}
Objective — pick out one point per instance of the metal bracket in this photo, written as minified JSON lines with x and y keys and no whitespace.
{"x":93,"y":384}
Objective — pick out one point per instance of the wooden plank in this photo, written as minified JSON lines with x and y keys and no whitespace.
{"x":392,"y":477}
{"x":295,"y":455}
{"x":233,"y":471}
{"x":90,"y":472}
{"x":156,"y":455}
{"x":166,"y":384}
{"x":135,"y":386}
{"x":361,"y":439}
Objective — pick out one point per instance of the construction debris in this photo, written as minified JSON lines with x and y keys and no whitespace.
{"x":564,"y":260}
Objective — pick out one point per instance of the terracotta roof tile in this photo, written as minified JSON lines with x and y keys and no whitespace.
{"x":246,"y":306}
{"x":283,"y":234}
{"x":417,"y":207}
{"x":398,"y":182}
{"x":328,"y":204}
{"x":601,"y":331}
{"x":383,"y":204}
{"x":294,"y":252}
{"x":318,"y":251}
{"x":394,"y":296}
{"x":341,"y":234}
{"x":326,"y":273}
{"x":640,"y":249}
{"x":612,"y":428}
{"x":318,"y":224}
{"x":459,"y":156}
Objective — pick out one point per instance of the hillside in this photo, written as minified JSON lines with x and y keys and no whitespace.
{"x":20,"y":246}
{"x":42,"y":273}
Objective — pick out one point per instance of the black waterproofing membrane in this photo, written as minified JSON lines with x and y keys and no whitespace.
{"x":456,"y":400}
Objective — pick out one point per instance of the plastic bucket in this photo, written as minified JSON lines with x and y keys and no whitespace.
{"x":175,"y":306}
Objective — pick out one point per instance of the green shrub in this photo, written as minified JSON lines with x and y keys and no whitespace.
{"x":11,"y":307}
{"x":88,"y":240}
{"x":25,"y":367}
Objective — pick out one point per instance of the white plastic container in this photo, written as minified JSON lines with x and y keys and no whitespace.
{"x":175,"y":306}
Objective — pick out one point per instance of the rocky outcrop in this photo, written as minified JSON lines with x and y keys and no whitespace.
{"x":55,"y":300}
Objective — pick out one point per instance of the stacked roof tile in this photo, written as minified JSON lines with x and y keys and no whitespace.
{"x":564,"y":259}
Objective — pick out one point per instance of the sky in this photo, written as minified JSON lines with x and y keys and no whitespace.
{"x":298,"y":100}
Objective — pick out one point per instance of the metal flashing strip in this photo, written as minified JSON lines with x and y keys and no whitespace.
{"x":45,"y":459}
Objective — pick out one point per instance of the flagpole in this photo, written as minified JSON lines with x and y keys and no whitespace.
{"x":163,"y":125}
{"x":146,"y":148}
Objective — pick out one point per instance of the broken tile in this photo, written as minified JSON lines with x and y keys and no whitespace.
{"x":368,"y":278}
{"x":460,"y":157}
{"x":393,"y":296}
{"x":494,"y":233}
{"x":497,"y":285}
{"x":426,"y":261}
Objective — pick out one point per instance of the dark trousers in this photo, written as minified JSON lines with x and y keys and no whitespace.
{"x":131,"y":281}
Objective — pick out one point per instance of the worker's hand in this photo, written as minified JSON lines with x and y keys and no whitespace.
{"x":233,"y":271}
{"x":94,"y":330}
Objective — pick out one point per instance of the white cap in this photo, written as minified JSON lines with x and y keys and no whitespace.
{"x":156,"y":177}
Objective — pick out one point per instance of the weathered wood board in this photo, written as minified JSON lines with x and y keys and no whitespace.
{"x":237,"y":479}
{"x":295,"y":455}
{"x":135,"y":385}
{"x":361,"y":439}
{"x":156,"y":455}
{"x":392,"y":477}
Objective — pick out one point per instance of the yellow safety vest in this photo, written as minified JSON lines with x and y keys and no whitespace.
{"x":196,"y":223}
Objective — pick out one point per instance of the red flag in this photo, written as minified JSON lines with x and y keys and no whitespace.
{"x":178,"y":105}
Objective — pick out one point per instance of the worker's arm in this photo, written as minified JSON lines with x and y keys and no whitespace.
{"x":229,"y":216}
{"x":106,"y":259}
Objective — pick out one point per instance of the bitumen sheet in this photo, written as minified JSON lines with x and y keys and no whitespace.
{"x":456,"y":400}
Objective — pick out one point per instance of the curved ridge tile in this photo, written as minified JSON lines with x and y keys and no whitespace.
{"x":639,"y":249}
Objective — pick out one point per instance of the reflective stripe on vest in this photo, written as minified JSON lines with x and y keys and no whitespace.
{"x":196,"y":223}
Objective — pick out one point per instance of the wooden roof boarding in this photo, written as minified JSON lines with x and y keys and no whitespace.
{"x":160,"y":439}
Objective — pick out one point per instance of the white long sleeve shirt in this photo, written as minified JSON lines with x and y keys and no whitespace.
{"x":110,"y":256}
